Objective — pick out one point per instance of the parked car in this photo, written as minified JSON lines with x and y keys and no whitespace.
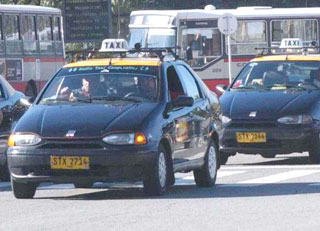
{"x":11,"y":110}
{"x":120,"y":119}
{"x":273,"y":107}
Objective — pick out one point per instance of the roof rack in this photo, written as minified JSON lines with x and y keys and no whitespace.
{"x":290,"y":44}
{"x":160,"y":53}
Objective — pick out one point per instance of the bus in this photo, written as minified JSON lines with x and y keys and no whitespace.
{"x":195,"y":36}
{"x":31,"y":45}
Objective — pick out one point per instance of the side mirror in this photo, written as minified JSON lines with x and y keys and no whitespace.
{"x":182,"y":101}
{"x":221,"y":88}
{"x":26,"y":101}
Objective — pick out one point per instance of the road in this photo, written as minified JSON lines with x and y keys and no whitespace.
{"x":252,"y":193}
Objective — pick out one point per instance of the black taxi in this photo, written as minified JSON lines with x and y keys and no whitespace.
{"x":273,"y":107}
{"x":119,"y":119}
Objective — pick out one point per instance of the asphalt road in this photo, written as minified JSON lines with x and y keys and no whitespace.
{"x":252,"y":193}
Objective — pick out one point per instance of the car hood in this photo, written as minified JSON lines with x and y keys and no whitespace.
{"x":92,"y":120}
{"x":267,"y":104}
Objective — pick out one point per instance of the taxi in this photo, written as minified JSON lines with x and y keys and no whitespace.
{"x":117,"y":119}
{"x":273,"y":107}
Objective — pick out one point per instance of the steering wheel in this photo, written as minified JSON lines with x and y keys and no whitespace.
{"x":132,"y":93}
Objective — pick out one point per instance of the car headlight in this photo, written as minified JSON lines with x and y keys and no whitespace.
{"x":296,"y":119}
{"x":23,"y":139}
{"x":225,"y":119}
{"x":137,"y":138}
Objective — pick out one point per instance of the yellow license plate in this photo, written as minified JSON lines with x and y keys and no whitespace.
{"x":251,"y":137}
{"x":70,"y":162}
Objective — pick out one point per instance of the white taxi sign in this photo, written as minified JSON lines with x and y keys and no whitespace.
{"x":291,"y":43}
{"x":114,"y":45}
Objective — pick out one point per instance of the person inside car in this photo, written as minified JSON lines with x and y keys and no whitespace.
{"x":82,"y":93}
{"x":147,"y":87}
{"x":315,"y":77}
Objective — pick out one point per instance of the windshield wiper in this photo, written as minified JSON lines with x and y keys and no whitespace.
{"x":115,"y":98}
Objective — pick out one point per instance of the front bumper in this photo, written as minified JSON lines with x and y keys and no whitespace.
{"x":280,"y":139}
{"x":117,"y":164}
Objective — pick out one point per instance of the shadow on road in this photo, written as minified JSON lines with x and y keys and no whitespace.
{"x":193,"y":192}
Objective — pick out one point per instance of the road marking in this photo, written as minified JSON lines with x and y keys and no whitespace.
{"x":279,"y":177}
{"x":56,"y":186}
{"x":226,"y":167}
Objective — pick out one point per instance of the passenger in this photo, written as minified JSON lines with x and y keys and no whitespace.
{"x":82,"y":93}
{"x":316,"y":78}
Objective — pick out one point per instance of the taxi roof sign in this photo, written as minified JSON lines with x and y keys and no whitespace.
{"x":291,"y":43}
{"x":114,"y":45}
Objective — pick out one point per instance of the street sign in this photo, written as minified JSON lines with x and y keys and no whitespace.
{"x":227,"y":24}
{"x":87,"y":20}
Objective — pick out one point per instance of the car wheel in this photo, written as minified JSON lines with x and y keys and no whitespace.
{"x":314,"y":153}
{"x":23,"y":190}
{"x":156,"y":178}
{"x":207,"y":175}
{"x":268,"y":156}
{"x":4,"y":173}
{"x":223,"y":158}
{"x":84,"y":184}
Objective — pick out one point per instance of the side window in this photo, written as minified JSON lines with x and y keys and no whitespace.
{"x":200,"y":45}
{"x":2,"y":95}
{"x":189,"y":82}
{"x":174,"y":85}
{"x":45,"y":34}
{"x":1,"y":37}
{"x":12,"y":34}
{"x":29,"y":34}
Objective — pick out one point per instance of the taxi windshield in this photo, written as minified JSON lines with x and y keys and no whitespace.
{"x":103,"y":87}
{"x":277,"y":75}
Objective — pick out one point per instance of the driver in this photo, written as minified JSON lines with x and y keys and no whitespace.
{"x":147,"y":87}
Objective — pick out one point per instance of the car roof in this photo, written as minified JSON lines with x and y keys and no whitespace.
{"x":117,"y":62}
{"x":271,"y":58}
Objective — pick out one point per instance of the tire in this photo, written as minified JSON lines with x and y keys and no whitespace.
{"x":4,"y":173}
{"x":207,"y":175}
{"x":314,"y":153}
{"x":155,"y":181}
{"x":84,"y":184}
{"x":23,"y":190}
{"x":223,"y":158}
{"x":268,"y":156}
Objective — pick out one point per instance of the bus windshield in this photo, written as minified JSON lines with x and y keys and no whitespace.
{"x":152,"y":37}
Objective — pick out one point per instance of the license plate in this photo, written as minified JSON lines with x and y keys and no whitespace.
{"x":70,"y":162}
{"x":251,"y":137}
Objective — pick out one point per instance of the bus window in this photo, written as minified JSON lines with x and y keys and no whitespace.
{"x":57,"y":35}
{"x":12,"y":34}
{"x":1,"y":37}
{"x":200,"y":45}
{"x":29,"y":34}
{"x":45,"y":34}
{"x":304,"y":29}
{"x":249,"y":35}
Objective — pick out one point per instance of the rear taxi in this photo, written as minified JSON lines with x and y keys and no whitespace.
{"x":273,"y":107}
{"x":119,"y":119}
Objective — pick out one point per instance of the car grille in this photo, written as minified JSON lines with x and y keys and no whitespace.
{"x":72,"y":144}
{"x":252,"y":124}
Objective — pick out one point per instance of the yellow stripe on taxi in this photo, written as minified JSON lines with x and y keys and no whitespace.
{"x":287,"y":58}
{"x":116,"y":62}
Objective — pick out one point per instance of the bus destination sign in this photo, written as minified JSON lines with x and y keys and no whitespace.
{"x":87,"y":20}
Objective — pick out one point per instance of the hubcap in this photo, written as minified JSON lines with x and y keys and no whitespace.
{"x":162,"y":170}
{"x":212,"y":162}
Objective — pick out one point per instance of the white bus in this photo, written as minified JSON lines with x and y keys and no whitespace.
{"x":198,"y":40}
{"x":31,"y":44}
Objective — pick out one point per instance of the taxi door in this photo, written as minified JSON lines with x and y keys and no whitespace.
{"x":179,"y":125}
{"x":199,"y":117}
